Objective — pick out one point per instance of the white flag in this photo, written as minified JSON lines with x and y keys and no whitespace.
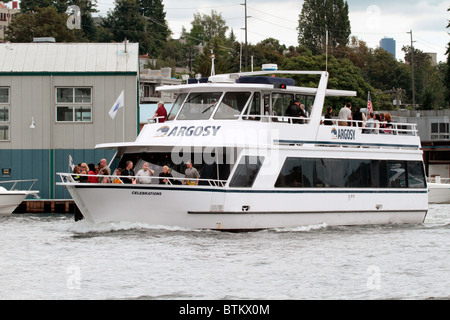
{"x":71,"y":164}
{"x":118,"y":104}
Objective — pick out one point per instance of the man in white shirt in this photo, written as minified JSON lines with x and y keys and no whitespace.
{"x":144,"y":176}
{"x":345,"y":114}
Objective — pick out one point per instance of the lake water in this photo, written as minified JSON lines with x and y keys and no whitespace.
{"x":54,"y":257}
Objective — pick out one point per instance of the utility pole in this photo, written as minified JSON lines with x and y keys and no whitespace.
{"x":246,"y":44}
{"x":412,"y":69}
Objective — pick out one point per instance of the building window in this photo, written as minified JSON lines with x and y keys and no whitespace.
{"x":440,"y":131}
{"x":74,"y":104}
{"x":4,"y":113}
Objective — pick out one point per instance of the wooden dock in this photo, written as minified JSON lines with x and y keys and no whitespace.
{"x":47,"y":206}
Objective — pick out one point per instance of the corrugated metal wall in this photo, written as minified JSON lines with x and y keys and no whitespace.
{"x":43,"y":151}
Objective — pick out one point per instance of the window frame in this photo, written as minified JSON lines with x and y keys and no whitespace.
{"x":74,"y":106}
{"x":6,"y":123}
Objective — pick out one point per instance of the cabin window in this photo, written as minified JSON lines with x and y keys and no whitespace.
{"x":246,"y":171}
{"x":4,"y":113}
{"x":199,"y":106}
{"x":350,"y":173}
{"x":74,"y":104}
{"x":254,"y":109}
{"x":176,"y":106}
{"x":232,"y":105}
{"x":280,"y":103}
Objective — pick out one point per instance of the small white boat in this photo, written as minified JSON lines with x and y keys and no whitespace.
{"x":438,"y":191}
{"x":10,"y":198}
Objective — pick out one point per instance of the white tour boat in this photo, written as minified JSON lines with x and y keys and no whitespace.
{"x":260,"y":168}
{"x":11,"y":198}
{"x":439,"y":190}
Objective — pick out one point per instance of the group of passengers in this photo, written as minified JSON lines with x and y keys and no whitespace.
{"x":89,"y":173}
{"x":373,"y":123}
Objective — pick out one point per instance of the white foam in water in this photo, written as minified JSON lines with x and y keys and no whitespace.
{"x":85,"y":226}
{"x":309,"y":228}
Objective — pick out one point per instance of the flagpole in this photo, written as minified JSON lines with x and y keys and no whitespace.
{"x":123,"y":124}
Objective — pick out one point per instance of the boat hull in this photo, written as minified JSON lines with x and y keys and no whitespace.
{"x":10,"y":200}
{"x":225,"y":209}
{"x":438,"y":193}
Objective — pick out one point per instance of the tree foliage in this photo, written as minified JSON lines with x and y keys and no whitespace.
{"x":42,"y":22}
{"x":318,"y":17}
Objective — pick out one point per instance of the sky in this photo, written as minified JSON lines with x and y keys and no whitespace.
{"x":370,"y":20}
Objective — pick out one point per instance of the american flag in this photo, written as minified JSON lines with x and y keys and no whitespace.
{"x":369,"y":104}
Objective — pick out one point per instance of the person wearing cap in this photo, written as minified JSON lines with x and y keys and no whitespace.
{"x":161,"y":113}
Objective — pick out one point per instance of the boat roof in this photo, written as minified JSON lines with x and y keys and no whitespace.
{"x":235,"y":81}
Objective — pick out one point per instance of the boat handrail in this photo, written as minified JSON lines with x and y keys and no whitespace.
{"x":15,"y":182}
{"x":439,"y":180}
{"x":397,"y":128}
{"x":69,"y":178}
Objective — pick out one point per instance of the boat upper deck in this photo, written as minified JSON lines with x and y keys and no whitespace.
{"x":243,"y":110}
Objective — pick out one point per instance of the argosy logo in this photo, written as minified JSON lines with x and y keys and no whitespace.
{"x":187,"y":131}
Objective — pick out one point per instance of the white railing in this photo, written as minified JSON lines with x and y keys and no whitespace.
{"x":67,"y":178}
{"x":396,"y":129}
{"x":438,"y":180}
{"x":15,"y":182}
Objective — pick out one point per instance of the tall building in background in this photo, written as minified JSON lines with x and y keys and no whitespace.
{"x":388,"y":44}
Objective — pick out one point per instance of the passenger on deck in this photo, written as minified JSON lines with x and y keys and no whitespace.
{"x":295,"y":111}
{"x":104,"y":165}
{"x":128,"y":172}
{"x":345,"y":114}
{"x":360,"y":117}
{"x":92,"y":173}
{"x":103,"y":176}
{"x":76,"y":176}
{"x":144,"y":176}
{"x":370,"y":124}
{"x":191,"y":173}
{"x":328,"y":117}
{"x":388,"y":123}
{"x":165,"y":174}
{"x":118,"y":173}
{"x":84,"y":170}
{"x":161,"y":113}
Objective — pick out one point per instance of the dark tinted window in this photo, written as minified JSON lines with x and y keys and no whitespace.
{"x":349,"y":173}
{"x":246,"y":171}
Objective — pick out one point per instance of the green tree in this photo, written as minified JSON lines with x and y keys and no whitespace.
{"x":206,"y":27}
{"x":156,"y":28}
{"x":343,"y":76}
{"x":429,"y":85}
{"x":126,"y":22}
{"x":447,"y":72}
{"x":318,"y":17}
{"x":43,"y":22}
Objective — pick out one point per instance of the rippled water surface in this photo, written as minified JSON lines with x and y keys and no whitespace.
{"x":53,"y":257}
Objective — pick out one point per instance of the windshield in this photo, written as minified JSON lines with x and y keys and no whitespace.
{"x":232,"y":105}
{"x":176,"y":106}
{"x":199,"y":106}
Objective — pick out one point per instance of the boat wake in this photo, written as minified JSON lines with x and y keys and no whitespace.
{"x":85,"y":227}
{"x":313,"y":227}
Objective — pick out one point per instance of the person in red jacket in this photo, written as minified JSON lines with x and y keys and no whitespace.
{"x":161,"y":113}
